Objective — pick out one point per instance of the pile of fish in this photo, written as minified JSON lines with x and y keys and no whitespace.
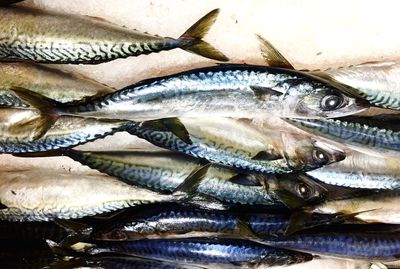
{"x":252,"y":166}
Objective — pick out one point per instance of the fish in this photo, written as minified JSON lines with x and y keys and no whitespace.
{"x":53,"y":83}
{"x":235,"y":91}
{"x":164,"y":171}
{"x":236,"y":253}
{"x":243,"y":146}
{"x":374,"y":246}
{"x":21,"y":131}
{"x":152,"y":222}
{"x":360,"y":170}
{"x":376,"y":207}
{"x":377,"y":82}
{"x":47,"y":37}
{"x":36,"y":195}
{"x":362,"y":137}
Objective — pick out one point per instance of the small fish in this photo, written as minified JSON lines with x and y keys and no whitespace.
{"x":21,"y":131}
{"x":375,"y":246}
{"x":48,"y":37}
{"x":236,"y":253}
{"x":377,"y":207}
{"x":40,"y":196}
{"x":360,"y":170}
{"x":183,"y":222}
{"x":164,"y":171}
{"x":377,"y":82}
{"x":362,"y":137}
{"x":243,"y":146}
{"x":50,"y":82}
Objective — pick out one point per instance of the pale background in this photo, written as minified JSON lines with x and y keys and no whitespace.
{"x":312,"y":34}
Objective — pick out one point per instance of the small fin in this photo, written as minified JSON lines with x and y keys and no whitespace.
{"x":77,"y":232}
{"x":243,"y":179}
{"x":3,"y":206}
{"x":190,"y":184}
{"x":265,"y":156}
{"x":46,"y":106}
{"x":173,"y":125}
{"x":288,"y":199}
{"x":297,"y":222}
{"x":244,"y":229}
{"x":99,"y":19}
{"x":261,"y":92}
{"x":271,"y":55}
{"x":192,"y":41}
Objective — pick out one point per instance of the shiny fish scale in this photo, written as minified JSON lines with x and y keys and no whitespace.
{"x":200,"y":252}
{"x":351,"y":245}
{"x":169,"y":141}
{"x":190,"y":92}
{"x":352,"y":133}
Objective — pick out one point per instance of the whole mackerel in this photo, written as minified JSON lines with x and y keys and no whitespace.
{"x":40,"y":196}
{"x":235,"y":253}
{"x":164,"y":171}
{"x":53,"y":83}
{"x":243,"y":145}
{"x":50,"y":37}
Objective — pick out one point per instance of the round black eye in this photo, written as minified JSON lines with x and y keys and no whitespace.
{"x":320,"y":157}
{"x":331,"y":102}
{"x":303,"y":190}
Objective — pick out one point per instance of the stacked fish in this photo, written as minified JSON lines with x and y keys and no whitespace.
{"x":248,"y":167}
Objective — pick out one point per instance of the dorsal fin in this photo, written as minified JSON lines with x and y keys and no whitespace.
{"x":272,"y":56}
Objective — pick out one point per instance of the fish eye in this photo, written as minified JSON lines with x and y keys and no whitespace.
{"x":320,"y":157}
{"x":331,"y":102}
{"x":304,"y":190}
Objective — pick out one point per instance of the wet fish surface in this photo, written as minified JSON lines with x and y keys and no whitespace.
{"x":47,"y":37}
{"x":50,"y":82}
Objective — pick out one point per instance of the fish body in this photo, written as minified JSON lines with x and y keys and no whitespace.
{"x":50,"y":82}
{"x":377,"y":82}
{"x":208,"y":252}
{"x":380,"y":207}
{"x":244,"y":146}
{"x":360,"y":170}
{"x":189,"y":222}
{"x":18,"y":128}
{"x":362,"y":137}
{"x":355,"y":245}
{"x":47,"y":37}
{"x":164,"y":171}
{"x":237,"y":91}
{"x":38,"y":196}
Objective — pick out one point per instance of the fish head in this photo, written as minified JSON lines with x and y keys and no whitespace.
{"x":316,"y":99}
{"x":304,"y":153}
{"x":303,"y":187}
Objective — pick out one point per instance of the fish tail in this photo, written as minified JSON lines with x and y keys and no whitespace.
{"x":50,"y":111}
{"x":192,"y":41}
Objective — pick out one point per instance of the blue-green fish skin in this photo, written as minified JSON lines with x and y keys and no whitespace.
{"x":161,"y":171}
{"x":48,"y":37}
{"x":237,"y":91}
{"x":208,"y":252}
{"x":378,"y":246}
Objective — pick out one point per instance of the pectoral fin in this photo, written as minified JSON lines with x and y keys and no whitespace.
{"x":173,"y":125}
{"x":190,"y":184}
{"x":288,"y":199}
{"x":271,"y":55}
{"x":263,"y":93}
{"x":297,"y":222}
{"x":265,"y":156}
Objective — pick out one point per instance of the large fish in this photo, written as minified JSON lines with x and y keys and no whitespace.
{"x":183,"y":222}
{"x":235,"y":253}
{"x":243,"y":145}
{"x":164,"y":171}
{"x":49,"y":37}
{"x":360,"y":170}
{"x":41,"y":196}
{"x":237,"y":91}
{"x":21,"y":131}
{"x":50,"y":82}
